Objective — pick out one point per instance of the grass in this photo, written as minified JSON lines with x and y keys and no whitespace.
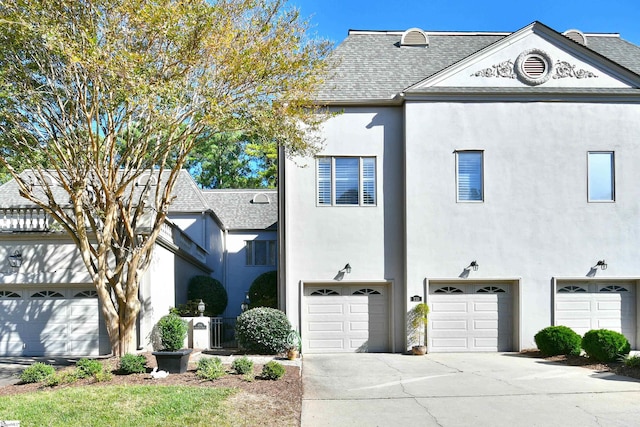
{"x":121,"y":406}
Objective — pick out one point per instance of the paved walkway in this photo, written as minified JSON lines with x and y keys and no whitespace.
{"x":478,"y":389}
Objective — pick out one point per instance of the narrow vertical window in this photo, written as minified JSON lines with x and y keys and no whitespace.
{"x":249,"y":252}
{"x":470,"y":176}
{"x":324,"y":181}
{"x":272,"y":252}
{"x":601,"y":179}
{"x":368,"y":181}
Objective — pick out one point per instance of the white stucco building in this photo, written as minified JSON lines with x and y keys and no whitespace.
{"x":492,"y":175}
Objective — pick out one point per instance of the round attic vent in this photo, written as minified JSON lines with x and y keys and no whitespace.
{"x":261,"y":198}
{"x":414,"y":37}
{"x":576,"y":36}
{"x":533,"y":67}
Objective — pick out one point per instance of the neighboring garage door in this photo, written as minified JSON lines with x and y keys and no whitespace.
{"x":339,"y":319}
{"x":583,"y":306}
{"x":470,"y":317}
{"x":49,"y":322}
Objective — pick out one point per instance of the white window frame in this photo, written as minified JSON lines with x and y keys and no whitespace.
{"x":590,"y":177}
{"x":326,"y":183}
{"x":458,"y":180}
{"x":270,"y":255}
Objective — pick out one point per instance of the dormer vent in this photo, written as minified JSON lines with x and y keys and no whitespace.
{"x":414,"y":37}
{"x":261,"y":199}
{"x":576,"y":36}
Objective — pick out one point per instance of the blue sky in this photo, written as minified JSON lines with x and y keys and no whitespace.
{"x":331,"y":19}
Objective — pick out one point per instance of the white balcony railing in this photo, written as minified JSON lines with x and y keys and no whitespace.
{"x":35,"y":219}
{"x":24,"y":219}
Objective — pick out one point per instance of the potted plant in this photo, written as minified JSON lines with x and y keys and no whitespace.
{"x":172,"y":357}
{"x":419,"y":319}
{"x":293,"y":345}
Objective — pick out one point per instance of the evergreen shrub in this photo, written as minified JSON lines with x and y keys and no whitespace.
{"x":555,"y":340}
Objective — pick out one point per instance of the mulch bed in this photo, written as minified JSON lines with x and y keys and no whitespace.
{"x":284,"y":395}
{"x":617,"y":368}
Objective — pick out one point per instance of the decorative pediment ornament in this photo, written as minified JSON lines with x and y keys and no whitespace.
{"x":503,"y":69}
{"x":564,"y":69}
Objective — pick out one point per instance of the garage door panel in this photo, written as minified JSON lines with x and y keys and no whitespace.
{"x":449,"y":325}
{"x":84,"y":347}
{"x":450,"y":307}
{"x":359,"y":308}
{"x":325,"y":309}
{"x":486,"y":325}
{"x":614,"y":310}
{"x":580,"y":306}
{"x":486,"y":306}
{"x":50,"y":322}
{"x":468,"y":320}
{"x":326,"y":326}
{"x":359,"y":324}
{"x":324,"y":344}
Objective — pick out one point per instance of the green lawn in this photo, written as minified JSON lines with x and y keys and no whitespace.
{"x":119,"y":406}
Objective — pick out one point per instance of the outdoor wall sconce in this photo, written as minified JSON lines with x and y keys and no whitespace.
{"x":245,"y":304}
{"x":15,"y":260}
{"x":474,"y":265}
{"x":602,"y":264}
{"x":346,"y":269}
{"x":201,"y":308}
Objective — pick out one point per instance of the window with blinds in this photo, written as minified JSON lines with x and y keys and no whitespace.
{"x":601,"y":176}
{"x":470,"y":176}
{"x":349,"y":181}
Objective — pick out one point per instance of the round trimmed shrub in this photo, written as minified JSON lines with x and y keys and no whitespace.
{"x":210,"y":291}
{"x":210,"y":368}
{"x":37,"y":372}
{"x":555,"y":340}
{"x":272,"y":370}
{"x":263,"y":330}
{"x":264,"y":290}
{"x":87,"y":367}
{"x":133,"y":364}
{"x":243,"y":365}
{"x":603,"y":345}
{"x":173,"y":330}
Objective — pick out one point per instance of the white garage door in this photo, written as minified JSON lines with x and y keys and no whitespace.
{"x":470,"y":317}
{"x":51,"y":322}
{"x":338,"y":319}
{"x":583,"y":306}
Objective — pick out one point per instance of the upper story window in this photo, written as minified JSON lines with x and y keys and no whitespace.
{"x":469,"y":171}
{"x":346,"y":181}
{"x":261,"y":252}
{"x":601,"y":180}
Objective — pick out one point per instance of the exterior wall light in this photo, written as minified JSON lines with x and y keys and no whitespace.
{"x":474,"y":264}
{"x":201,"y":308}
{"x":346,"y":269}
{"x":15,"y":260}
{"x":602,"y":264}
{"x":245,"y":304}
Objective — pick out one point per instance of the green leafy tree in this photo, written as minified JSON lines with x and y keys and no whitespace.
{"x":222,"y":161}
{"x":107,"y":92}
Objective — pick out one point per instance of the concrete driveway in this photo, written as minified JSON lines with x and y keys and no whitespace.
{"x":482,"y":389}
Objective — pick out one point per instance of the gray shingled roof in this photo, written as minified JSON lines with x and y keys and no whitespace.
{"x":244,"y":209}
{"x":371,"y":65}
{"x":188,"y":195}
